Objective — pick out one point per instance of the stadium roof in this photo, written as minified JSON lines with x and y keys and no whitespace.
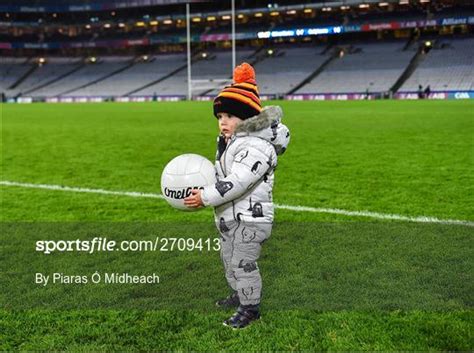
{"x":103,"y":5}
{"x":119,"y":3}
{"x":87,"y":5}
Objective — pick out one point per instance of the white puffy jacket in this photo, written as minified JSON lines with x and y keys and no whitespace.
{"x":245,"y":168}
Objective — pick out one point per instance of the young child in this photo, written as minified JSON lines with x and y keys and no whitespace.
{"x":249,"y":142}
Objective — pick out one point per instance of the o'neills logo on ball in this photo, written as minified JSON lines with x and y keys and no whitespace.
{"x":181,"y":193}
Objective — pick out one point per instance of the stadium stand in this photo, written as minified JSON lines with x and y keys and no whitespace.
{"x":53,"y":70}
{"x":448,"y":66}
{"x":298,"y":48}
{"x":362,"y":67}
{"x":273,"y":71}
{"x":216,"y":66}
{"x":139,"y":74}
{"x":11,"y":70}
{"x":72,"y":85}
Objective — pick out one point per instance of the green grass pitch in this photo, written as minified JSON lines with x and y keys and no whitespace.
{"x":331,"y":282}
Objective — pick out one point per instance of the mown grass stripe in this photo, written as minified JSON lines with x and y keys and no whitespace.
{"x":417,"y":219}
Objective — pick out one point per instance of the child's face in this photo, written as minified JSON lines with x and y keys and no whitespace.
{"x":228,"y":123}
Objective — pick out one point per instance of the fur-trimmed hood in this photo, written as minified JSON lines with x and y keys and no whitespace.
{"x":267,"y":125}
{"x":261,"y":121}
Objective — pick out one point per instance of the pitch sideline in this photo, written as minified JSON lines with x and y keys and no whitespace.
{"x":419,"y":219}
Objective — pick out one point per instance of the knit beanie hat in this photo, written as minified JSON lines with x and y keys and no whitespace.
{"x":241,"y":98}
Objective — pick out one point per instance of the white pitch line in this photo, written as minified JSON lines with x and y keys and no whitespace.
{"x":419,"y":219}
{"x":76,"y":189}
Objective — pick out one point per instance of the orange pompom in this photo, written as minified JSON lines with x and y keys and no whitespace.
{"x":244,"y":73}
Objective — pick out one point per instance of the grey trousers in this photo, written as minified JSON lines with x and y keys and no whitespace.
{"x":241,"y":244}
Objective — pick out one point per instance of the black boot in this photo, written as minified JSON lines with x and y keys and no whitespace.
{"x":232,"y":301}
{"x":243,"y":317}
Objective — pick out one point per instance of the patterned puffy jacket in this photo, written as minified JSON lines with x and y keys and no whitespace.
{"x":245,"y":169}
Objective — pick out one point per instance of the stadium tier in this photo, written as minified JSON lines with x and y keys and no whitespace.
{"x":214,"y":66}
{"x":11,"y":69}
{"x":136,"y":74}
{"x":362,"y":68}
{"x":300,"y":49}
{"x":348,"y":68}
{"x":45,"y":75}
{"x":282,"y":72}
{"x":75,"y":82}
{"x":448,"y":66}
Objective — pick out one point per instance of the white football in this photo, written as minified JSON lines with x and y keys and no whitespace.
{"x":183,"y":174}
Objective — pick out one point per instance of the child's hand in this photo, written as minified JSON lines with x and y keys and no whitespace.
{"x":194,"y":200}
